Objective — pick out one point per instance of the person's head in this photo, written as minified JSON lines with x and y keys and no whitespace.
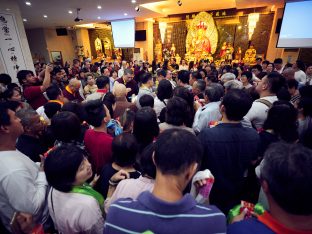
{"x":147,"y":79}
{"x":168,"y":75}
{"x":10,"y":125}
{"x":286,"y":178}
{"x":164,"y":90}
{"x":299,"y":65}
{"x":256,"y":69}
{"x":278,"y":63}
{"x":280,"y":115}
{"x":12,"y":94}
{"x":259,"y":61}
{"x":270,"y":67}
{"x":308,"y":71}
{"x":198,"y":87}
{"x":177,"y":111}
{"x":185,"y":94}
{"x":289,"y":73}
{"x":214,"y":93}
{"x":146,"y":100}
{"x":126,"y":120}
{"x":183,"y":62}
{"x":145,"y":126}
{"x":235,"y":105}
{"x":292,"y":86}
{"x":90,"y":79}
{"x":202,"y":73}
{"x":161,"y":74}
{"x":31,"y":122}
{"x":26,"y":77}
{"x":147,"y":165}
{"x":114,"y":74}
{"x":232,"y":84}
{"x":271,"y":84}
{"x":74,"y":85}
{"x":246,"y":77}
{"x":124,"y":150}
{"x":178,"y":153}
{"x":194,"y":76}
{"x":57,"y":73}
{"x":227,"y":77}
{"x":76,"y":63}
{"x":51,"y":109}
{"x":65,"y":126}
{"x":183,"y":78}
{"x":102,"y":82}
{"x":77,"y":109}
{"x":66,"y":166}
{"x":265,"y":64}
{"x":54,"y":93}
{"x":128,"y":75}
{"x":109,"y":101}
{"x":97,"y":114}
{"x":119,"y":90}
{"x":5,"y":79}
{"x":173,"y":61}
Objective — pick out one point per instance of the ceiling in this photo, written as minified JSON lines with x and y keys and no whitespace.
{"x":58,"y":16}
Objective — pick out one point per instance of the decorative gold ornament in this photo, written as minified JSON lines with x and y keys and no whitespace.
{"x":202,"y":37}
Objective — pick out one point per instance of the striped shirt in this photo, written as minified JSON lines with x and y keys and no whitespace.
{"x":149,"y":213}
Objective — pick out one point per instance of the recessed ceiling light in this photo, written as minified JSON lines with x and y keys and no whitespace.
{"x":25,"y":20}
{"x":133,"y":1}
{"x":125,"y":14}
{"x":70,"y":12}
{"x":8,"y":9}
{"x":45,"y":16}
{"x":99,"y":17}
{"x":28,"y":3}
{"x":99,"y":7}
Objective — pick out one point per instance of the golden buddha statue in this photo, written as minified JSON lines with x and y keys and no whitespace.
{"x":250,"y":55}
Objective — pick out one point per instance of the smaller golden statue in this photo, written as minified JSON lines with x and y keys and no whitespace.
{"x":172,"y":50}
{"x":229,"y":52}
{"x":238,"y":54}
{"x":223,"y":51}
{"x":250,"y":55}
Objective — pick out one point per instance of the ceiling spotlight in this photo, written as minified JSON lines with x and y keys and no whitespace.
{"x":179,"y":2}
{"x":99,"y":7}
{"x":70,"y":12}
{"x":99,"y":17}
{"x":125,"y":14}
{"x":45,"y":16}
{"x":28,"y":3}
{"x":8,"y":9}
{"x":133,"y":1}
{"x":25,"y":20}
{"x":137,"y":8}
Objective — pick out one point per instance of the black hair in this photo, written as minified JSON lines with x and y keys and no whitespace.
{"x":51,"y":108}
{"x":164,"y":90}
{"x":306,"y":91}
{"x":176,"y":150}
{"x":127,"y":120}
{"x":112,"y":72}
{"x":300,"y":65}
{"x":77,"y":109}
{"x":177,"y":111}
{"x":287,"y":170}
{"x":22,"y":74}
{"x":145,"y":126}
{"x":66,"y":126}
{"x":61,"y":166}
{"x":184,"y":76}
{"x":292,"y":83}
{"x":124,"y":149}
{"x":185,"y":94}
{"x":196,"y":75}
{"x":5,"y":79}
{"x":277,"y":124}
{"x":13,"y":105}
{"x":56,"y":70}
{"x":4,"y":115}
{"x":278,"y":61}
{"x":237,"y":104}
{"x":145,"y":77}
{"x":53,"y":92}
{"x":8,"y":93}
{"x":258,"y":67}
{"x":146,"y":100}
{"x":201,"y":70}
{"x":191,"y":65}
{"x":266,"y":62}
{"x":257,"y":59}
{"x":248,"y":74}
{"x":147,"y":165}
{"x":214,"y":92}
{"x":102,"y":81}
{"x":76,"y":61}
{"x":276,"y":81}
{"x":109,"y":100}
{"x":161,"y":72}
{"x":95,"y":112}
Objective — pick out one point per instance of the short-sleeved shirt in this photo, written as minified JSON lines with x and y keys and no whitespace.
{"x":149,"y":213}
{"x":34,"y":96}
{"x":229,"y":149}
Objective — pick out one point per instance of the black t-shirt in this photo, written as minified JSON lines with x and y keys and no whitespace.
{"x":107,"y":172}
{"x":31,"y":147}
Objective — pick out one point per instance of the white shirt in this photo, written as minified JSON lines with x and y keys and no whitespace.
{"x":204,"y":115}
{"x":258,"y":113}
{"x":75,"y":213}
{"x":121,"y":72}
{"x":185,"y":67}
{"x":301,"y":77}
{"x":22,"y":187}
{"x":41,"y":112}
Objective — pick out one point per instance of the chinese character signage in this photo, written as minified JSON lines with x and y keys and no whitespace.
{"x":11,"y":54}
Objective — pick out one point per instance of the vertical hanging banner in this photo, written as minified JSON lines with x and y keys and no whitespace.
{"x":11,"y":53}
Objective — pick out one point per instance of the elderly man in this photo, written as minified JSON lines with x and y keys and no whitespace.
{"x":122,"y":69}
{"x":289,"y":73}
{"x":120,"y":92}
{"x":127,"y":80}
{"x":71,"y":91}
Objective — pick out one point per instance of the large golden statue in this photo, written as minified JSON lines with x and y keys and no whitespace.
{"x":250,"y":55}
{"x":202,"y":37}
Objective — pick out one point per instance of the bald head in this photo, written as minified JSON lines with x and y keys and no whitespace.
{"x":289,"y":73}
{"x":74,"y":85}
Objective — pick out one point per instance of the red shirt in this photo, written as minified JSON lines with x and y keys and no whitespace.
{"x":99,"y":146}
{"x":34,"y":96}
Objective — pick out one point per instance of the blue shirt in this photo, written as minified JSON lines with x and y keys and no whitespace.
{"x":148,"y":213}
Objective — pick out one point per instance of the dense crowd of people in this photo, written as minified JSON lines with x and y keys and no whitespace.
{"x":166,"y":148}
